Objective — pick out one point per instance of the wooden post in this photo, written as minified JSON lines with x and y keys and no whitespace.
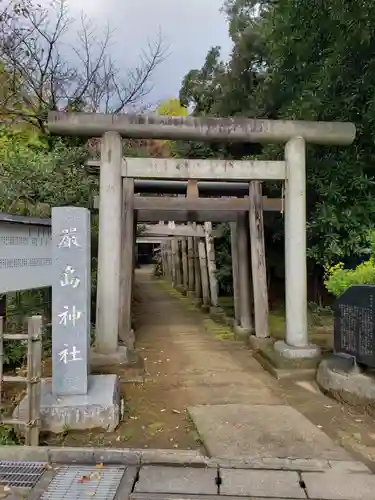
{"x":163,"y":255}
{"x":34,"y":374}
{"x":176,"y":270}
{"x":172,"y":271}
{"x":170,"y":258}
{"x":235,"y":272}
{"x":192,"y":192}
{"x":177,"y":260}
{"x":244,"y":272}
{"x":258,"y":260}
{"x":191,"y":273}
{"x":127,"y":262}
{"x":185,"y":276}
{"x":211,"y":264}
{"x":204,"y":273}
{"x":197,"y":270}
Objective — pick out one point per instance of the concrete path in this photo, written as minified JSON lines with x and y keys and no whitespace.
{"x":238,"y":409}
{"x":206,"y":371}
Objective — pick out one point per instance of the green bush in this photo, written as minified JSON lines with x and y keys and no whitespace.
{"x":338,"y":279}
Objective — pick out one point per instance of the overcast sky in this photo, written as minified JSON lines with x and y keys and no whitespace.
{"x":189,"y":27}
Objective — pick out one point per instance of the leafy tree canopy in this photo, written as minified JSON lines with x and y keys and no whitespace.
{"x":308,"y":60}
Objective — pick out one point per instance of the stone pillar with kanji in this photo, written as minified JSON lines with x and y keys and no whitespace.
{"x":71,"y":287}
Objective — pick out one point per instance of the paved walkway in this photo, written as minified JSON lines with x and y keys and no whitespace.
{"x":206,"y":371}
{"x":239,"y":409}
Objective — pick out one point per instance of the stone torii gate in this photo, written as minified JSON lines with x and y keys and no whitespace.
{"x":295,"y":134}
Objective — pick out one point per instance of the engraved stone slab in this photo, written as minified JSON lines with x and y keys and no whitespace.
{"x":71,"y":283}
{"x":354,"y":324}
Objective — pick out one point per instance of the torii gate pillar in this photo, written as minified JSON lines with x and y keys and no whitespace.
{"x":109,"y":253}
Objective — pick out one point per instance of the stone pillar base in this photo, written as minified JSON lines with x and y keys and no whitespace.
{"x":99,"y":408}
{"x":216,"y":310}
{"x":197,"y":302}
{"x":98,"y":359}
{"x":294,"y":352}
{"x":128,"y":340}
{"x":180,"y":289}
{"x":242,"y":333}
{"x":258,"y":343}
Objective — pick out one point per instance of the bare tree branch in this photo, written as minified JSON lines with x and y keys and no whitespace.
{"x":41,"y":72}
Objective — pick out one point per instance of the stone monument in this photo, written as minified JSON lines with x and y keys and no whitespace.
{"x":70,"y":300}
{"x":349,"y":374}
{"x":74,"y":399}
{"x":354,"y":327}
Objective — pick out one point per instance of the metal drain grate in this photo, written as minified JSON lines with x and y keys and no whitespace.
{"x":21,"y":474}
{"x":80,"y":483}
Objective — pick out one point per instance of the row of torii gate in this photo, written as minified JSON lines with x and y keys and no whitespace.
{"x":188,"y":254}
{"x":188,"y":262}
{"x":187,"y":251}
{"x":121,"y":207}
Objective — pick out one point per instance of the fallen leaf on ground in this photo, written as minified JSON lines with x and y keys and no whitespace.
{"x":95,"y":475}
{"x":6,"y":488}
{"x":84,"y":479}
{"x":100,"y":465}
{"x":163,"y":410}
{"x":176,"y":411}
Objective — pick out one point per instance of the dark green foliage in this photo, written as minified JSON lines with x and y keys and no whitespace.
{"x":309,"y":60}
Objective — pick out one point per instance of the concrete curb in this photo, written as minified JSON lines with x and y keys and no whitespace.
{"x":182,"y":458}
{"x":124,"y":456}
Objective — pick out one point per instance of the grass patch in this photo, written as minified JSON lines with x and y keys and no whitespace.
{"x":218,"y":330}
{"x":193,"y":430}
{"x":320,"y":322}
{"x":125,"y":437}
{"x":227,"y":304}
